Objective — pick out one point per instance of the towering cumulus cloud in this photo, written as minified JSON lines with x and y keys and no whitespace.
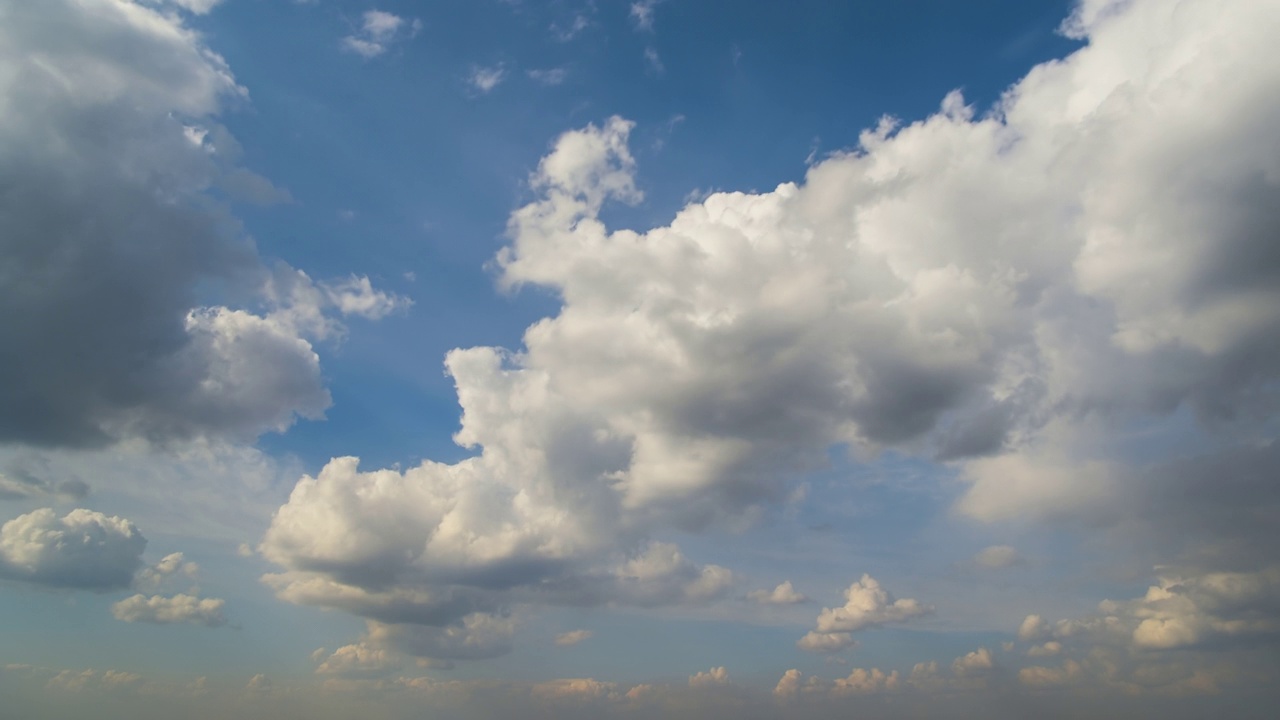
{"x":1000,"y":292}
{"x":115,"y":237}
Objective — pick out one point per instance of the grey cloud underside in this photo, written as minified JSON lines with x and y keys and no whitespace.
{"x":109,"y":238}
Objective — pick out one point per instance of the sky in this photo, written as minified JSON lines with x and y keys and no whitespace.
{"x":639,"y":358}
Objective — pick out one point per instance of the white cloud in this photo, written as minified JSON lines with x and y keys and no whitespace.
{"x":359,"y":660}
{"x":180,"y":608}
{"x":862,"y":681}
{"x":1048,"y":649}
{"x":573,"y":637}
{"x":1039,"y":676}
{"x":170,"y":565}
{"x":83,"y":549}
{"x":1033,"y":627}
{"x":642,"y":13}
{"x":783,"y":594}
{"x":549,"y":76}
{"x":972,"y":288}
{"x":867,"y":605}
{"x":654,"y":61}
{"x":978,"y":662}
{"x":709,"y":678}
{"x":576,"y":689}
{"x":485,"y":79}
{"x":197,"y":7}
{"x":378,"y":31}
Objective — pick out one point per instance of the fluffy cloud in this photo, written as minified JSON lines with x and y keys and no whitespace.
{"x":976,"y":289}
{"x":359,"y":661}
{"x":867,"y":605}
{"x":112,"y":225}
{"x":977,"y":662}
{"x":783,"y":594}
{"x":83,"y":549}
{"x":161,"y":610}
{"x":169,"y":566}
{"x":862,"y":681}
{"x":709,"y":678}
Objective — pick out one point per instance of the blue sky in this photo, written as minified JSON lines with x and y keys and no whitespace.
{"x":699,"y":358}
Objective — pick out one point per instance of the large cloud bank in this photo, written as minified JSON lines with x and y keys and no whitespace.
{"x":1002,"y":292}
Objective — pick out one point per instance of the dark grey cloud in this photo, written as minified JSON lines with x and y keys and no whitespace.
{"x":109,"y":237}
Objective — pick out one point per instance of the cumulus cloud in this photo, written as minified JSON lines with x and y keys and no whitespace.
{"x":972,"y":288}
{"x":709,"y":678}
{"x":359,"y":660}
{"x":378,"y":31}
{"x":783,"y":594}
{"x":862,"y":681}
{"x":161,"y":610}
{"x":867,"y":605}
{"x":114,"y":229}
{"x":978,"y":662}
{"x":83,"y":550}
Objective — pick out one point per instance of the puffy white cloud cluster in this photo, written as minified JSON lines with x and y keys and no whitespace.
{"x":997,"y":291}
{"x":83,"y":549}
{"x":358,"y":661}
{"x":113,"y":180}
{"x":1179,"y":612}
{"x":180,"y":608}
{"x":867,"y":605}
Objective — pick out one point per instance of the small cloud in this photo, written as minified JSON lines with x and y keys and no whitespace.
{"x":484,"y":80}
{"x":550,"y":76}
{"x":642,"y":13}
{"x":826,"y":642}
{"x":258,"y":685}
{"x":655,"y":62}
{"x":1049,"y":649}
{"x":783,"y":594}
{"x":573,"y":637}
{"x":180,"y":608}
{"x":565,"y":33}
{"x":997,"y":556}
{"x":975,"y":663}
{"x":378,"y":31}
{"x":710,"y":678}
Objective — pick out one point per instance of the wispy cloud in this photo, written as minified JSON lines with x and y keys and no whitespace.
{"x":378,"y":31}
{"x":550,"y":76}
{"x":485,"y":79}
